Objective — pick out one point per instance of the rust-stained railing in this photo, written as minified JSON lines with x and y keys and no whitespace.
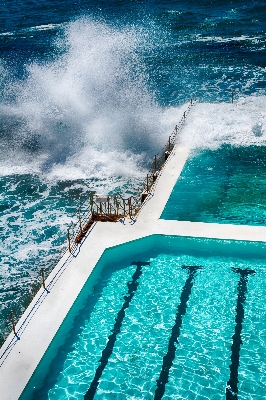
{"x":109,"y":208}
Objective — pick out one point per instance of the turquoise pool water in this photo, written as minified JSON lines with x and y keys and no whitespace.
{"x":227,"y":185}
{"x":158,"y":319}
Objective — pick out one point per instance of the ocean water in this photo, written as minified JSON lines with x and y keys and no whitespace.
{"x":90,"y":92}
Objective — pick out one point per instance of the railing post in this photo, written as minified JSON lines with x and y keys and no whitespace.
{"x":91,"y":201}
{"x":11,"y":314}
{"x":155,"y":163}
{"x":190,"y":101}
{"x":176,"y":130}
{"x":129,"y":207}
{"x":80,"y":226}
{"x":184,"y":115}
{"x":43,"y":280}
{"x":68,"y":237}
{"x":169,"y":143}
{"x":232,"y":96}
{"x":115,"y":205}
{"x":147,"y":183}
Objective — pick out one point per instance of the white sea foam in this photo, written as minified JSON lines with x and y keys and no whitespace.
{"x":240,"y":124}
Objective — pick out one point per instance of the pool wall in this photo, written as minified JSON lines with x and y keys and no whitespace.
{"x":20,"y":355}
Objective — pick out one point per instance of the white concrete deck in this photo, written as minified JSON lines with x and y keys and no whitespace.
{"x":40,"y":322}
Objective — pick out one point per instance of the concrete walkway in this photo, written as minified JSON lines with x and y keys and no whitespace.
{"x":20,"y":355}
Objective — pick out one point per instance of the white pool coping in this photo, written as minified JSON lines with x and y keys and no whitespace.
{"x":40,"y":322}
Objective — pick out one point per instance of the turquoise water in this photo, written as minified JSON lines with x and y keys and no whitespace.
{"x":227,"y":185}
{"x":202,"y":358}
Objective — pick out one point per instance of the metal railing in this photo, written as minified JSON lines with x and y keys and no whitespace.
{"x":37,"y":282}
{"x":161,"y":157}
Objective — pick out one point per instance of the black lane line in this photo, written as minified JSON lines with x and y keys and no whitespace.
{"x":181,"y":311}
{"x":232,"y":389}
{"x":106,"y":353}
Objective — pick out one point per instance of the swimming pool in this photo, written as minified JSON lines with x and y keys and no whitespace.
{"x":227,"y":185}
{"x":163,"y":316}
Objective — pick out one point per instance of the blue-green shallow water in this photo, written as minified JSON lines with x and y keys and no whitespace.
{"x":227,"y":185}
{"x":202,"y":359}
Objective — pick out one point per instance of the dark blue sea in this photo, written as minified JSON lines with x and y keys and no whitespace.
{"x":91,"y":90}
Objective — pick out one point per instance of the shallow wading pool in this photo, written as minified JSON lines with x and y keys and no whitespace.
{"x":226,"y":186}
{"x":163,"y":316}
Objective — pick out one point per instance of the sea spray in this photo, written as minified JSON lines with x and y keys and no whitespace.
{"x":93,"y":99}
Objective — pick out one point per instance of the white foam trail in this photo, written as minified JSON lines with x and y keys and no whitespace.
{"x":46,"y":27}
{"x":220,"y":39}
{"x":240,"y":124}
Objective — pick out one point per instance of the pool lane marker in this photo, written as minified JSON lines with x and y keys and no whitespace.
{"x":106,"y":353}
{"x":231,"y":388}
{"x":181,"y":311}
